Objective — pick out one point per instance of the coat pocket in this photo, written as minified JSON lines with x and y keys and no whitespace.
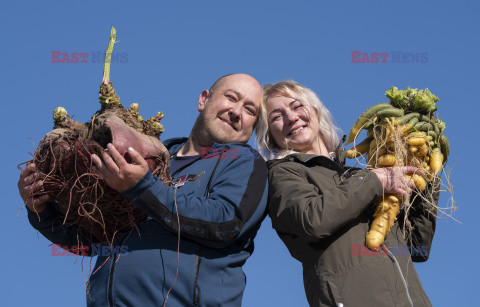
{"x":363,"y":285}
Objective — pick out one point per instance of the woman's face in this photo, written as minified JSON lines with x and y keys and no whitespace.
{"x":293,"y":124}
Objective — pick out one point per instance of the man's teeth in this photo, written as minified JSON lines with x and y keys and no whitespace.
{"x":296,"y":130}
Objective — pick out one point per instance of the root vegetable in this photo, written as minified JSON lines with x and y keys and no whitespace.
{"x":369,"y":114}
{"x":417,"y":141}
{"x":64,"y":155}
{"x":419,"y":181}
{"x":423,"y":150}
{"x":384,"y":218}
{"x":360,"y":149}
{"x":386,"y":160}
{"x":445,"y":146}
{"x":394,"y":143}
{"x":436,"y":160}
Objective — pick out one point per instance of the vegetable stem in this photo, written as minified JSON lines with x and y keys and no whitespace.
{"x":108,"y":57}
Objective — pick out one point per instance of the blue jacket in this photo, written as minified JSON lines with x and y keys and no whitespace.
{"x":220,"y":213}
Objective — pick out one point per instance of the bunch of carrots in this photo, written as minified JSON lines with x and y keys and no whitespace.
{"x":404,"y":132}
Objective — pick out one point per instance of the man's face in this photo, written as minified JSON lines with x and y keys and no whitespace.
{"x":229,"y":114}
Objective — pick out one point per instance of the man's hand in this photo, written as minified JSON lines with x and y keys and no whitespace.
{"x":117,"y":172}
{"x":30,"y":182}
{"x":393,"y":180}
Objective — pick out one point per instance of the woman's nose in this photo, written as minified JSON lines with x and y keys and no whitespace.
{"x":291,"y":117}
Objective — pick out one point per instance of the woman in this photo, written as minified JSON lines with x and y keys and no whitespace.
{"x":321,"y":209}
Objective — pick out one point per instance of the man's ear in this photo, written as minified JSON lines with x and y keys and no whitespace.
{"x":202,"y":100}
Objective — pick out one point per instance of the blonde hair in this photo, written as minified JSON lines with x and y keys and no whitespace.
{"x":267,"y":146}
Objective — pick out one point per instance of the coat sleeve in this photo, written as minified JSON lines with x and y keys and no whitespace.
{"x":236,"y":204}
{"x":422,"y":217}
{"x":296,"y":206}
{"x":50,"y":224}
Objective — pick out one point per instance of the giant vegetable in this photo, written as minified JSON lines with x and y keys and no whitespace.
{"x":405,"y":131}
{"x":64,"y":155}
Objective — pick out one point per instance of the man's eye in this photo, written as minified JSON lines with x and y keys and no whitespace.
{"x":230,"y":97}
{"x":251,"y":111}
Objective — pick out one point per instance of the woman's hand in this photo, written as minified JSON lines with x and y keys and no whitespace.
{"x":393,"y":181}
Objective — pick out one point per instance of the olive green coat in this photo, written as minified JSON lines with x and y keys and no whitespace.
{"x":322,"y":211}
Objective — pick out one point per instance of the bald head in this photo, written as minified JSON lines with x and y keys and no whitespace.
{"x":236,"y":77}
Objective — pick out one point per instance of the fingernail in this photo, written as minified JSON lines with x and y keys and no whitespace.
{"x":130,"y":149}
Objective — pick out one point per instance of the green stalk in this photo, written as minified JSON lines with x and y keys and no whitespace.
{"x":108,"y":96}
{"x":108,"y":57}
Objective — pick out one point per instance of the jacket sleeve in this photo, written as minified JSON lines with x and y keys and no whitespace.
{"x":236,"y":204}
{"x":50,"y":224}
{"x":298,"y":207}
{"x":421,"y":221}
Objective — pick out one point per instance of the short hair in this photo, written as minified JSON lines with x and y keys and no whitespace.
{"x":217,"y":83}
{"x":267,"y":146}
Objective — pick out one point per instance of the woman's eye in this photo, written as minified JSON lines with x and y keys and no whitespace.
{"x":298,"y":106}
{"x":275,"y":118}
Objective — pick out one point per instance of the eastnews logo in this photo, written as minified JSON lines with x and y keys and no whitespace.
{"x":96,"y":250}
{"x":92,"y":57}
{"x":212,"y":153}
{"x":390,"y":57}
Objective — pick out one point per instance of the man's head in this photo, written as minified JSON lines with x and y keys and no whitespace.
{"x":229,"y":110}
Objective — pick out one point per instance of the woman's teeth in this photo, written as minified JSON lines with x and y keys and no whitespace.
{"x":296,"y":130}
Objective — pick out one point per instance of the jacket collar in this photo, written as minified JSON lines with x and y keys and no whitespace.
{"x":307,"y":158}
{"x":174,"y":144}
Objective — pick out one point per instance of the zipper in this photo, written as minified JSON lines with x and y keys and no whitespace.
{"x":196,"y":288}
{"x":110,"y":285}
{"x":209,"y":185}
{"x":401,"y":275}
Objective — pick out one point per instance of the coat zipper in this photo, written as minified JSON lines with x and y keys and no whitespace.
{"x":196,"y":288}
{"x":110,"y":285}
{"x":401,"y":275}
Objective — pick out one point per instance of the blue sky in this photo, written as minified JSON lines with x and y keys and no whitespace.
{"x":172,"y":50}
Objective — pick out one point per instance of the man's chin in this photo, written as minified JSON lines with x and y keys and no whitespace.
{"x":224,"y":139}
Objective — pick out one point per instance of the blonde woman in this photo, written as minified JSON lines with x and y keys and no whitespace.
{"x":321,"y":209}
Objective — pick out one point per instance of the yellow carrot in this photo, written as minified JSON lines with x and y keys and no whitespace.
{"x":436,"y":160}
{"x":384,"y":218}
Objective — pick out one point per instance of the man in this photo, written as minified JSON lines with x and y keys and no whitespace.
{"x":217,"y":214}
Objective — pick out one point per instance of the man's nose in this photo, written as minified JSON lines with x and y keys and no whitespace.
{"x":235,"y":111}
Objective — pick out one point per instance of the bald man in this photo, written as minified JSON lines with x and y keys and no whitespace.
{"x":200,"y":230}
